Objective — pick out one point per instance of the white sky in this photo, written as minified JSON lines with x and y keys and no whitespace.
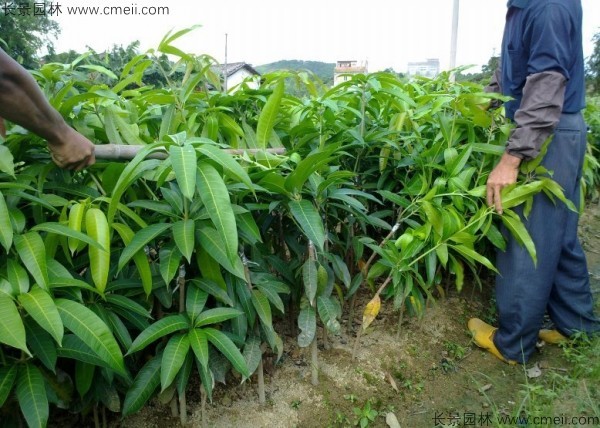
{"x":386,"y":33}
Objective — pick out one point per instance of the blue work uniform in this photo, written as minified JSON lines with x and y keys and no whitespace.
{"x":542,"y":68}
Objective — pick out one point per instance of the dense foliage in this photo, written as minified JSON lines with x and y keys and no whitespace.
{"x":130,"y":278}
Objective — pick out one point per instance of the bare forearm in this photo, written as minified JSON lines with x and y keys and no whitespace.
{"x":22,"y":102}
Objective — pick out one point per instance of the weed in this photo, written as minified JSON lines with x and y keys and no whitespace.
{"x":365,"y":415}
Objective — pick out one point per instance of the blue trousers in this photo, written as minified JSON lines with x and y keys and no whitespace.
{"x":559,"y":284}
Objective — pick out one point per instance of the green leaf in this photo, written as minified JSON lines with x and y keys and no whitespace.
{"x":7,"y":164}
{"x":230,"y":166}
{"x":140,"y":240}
{"x":12,"y":331}
{"x":160,"y":328}
{"x":173,"y":358}
{"x":310,"y":221}
{"x":62,"y":230}
{"x":97,"y":228}
{"x":307,"y":321}
{"x":472,"y":256}
{"x":144,"y":385}
{"x":40,"y":305}
{"x":32,"y":252}
{"x":227,"y":348}
{"x":262,"y":307}
{"x":266,"y":120}
{"x":516,"y":227}
{"x":6,"y":229}
{"x":213,"y":289}
{"x":41,"y":344}
{"x":183,"y":234}
{"x":328,"y":313}
{"x":140,"y":259}
{"x":76,"y":215}
{"x":216,"y":315}
{"x":183,"y":377}
{"x":92,"y":331}
{"x":183,"y":160}
{"x":128,"y":304}
{"x":310,"y":280}
{"x":84,"y":375}
{"x":132,"y":171}
{"x":199,"y":344}
{"x":215,"y":196}
{"x":169,"y":257}
{"x":295,"y":181}
{"x":73,"y":348}
{"x":212,"y":242}
{"x":8,"y":374}
{"x":31,"y":393}
{"x":252,"y":354}
{"x":17,"y":276}
{"x":273,"y":296}
{"x":100,"y":69}
{"x":194,"y":301}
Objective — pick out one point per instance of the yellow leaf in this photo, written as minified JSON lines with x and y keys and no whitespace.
{"x":371,"y":311}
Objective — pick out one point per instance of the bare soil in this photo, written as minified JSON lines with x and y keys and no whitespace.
{"x":427,"y":374}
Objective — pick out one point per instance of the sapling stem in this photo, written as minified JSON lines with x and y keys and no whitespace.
{"x":204,"y":419}
{"x":314,"y":357}
{"x":261,"y":382}
{"x":181,"y":285}
{"x":260,"y":374}
{"x":314,"y":349}
{"x":182,"y":409}
{"x":96,"y":417}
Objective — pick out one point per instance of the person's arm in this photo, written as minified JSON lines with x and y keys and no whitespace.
{"x":22,"y":102}
{"x":536,"y":118}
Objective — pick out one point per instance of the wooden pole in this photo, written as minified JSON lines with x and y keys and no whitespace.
{"x":121,"y":152}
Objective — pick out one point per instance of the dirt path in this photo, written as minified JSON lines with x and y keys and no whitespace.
{"x":429,"y":374}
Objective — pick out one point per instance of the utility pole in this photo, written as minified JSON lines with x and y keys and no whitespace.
{"x":454,"y":38}
{"x":225,"y":66}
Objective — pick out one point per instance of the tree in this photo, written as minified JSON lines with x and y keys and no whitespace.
{"x":484,"y":76}
{"x":25,"y":34}
{"x":593,"y":66}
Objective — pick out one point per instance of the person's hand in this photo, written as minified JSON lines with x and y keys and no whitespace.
{"x":72,"y":150}
{"x":504,"y":174}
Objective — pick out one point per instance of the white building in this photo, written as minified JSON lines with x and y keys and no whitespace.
{"x":235,"y":73}
{"x":344,"y":70}
{"x":428,"y":68}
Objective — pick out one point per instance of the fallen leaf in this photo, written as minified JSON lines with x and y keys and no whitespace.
{"x":392,"y":382}
{"x":391,"y":420}
{"x":534,"y":371}
{"x":485,"y":388}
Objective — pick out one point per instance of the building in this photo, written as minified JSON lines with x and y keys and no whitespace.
{"x":344,"y":70}
{"x":428,"y":68}
{"x":235,"y":73}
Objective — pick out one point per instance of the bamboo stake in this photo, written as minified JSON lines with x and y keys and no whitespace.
{"x":120,"y":152}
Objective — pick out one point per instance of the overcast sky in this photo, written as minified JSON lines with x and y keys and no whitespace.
{"x":386,"y":33}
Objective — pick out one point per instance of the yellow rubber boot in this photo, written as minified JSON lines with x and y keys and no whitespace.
{"x":483,"y":335}
{"x":553,"y":337}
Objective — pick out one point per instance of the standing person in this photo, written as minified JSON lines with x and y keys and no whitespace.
{"x":22,"y":102}
{"x":542,"y":69}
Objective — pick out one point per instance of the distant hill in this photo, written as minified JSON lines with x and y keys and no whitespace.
{"x":324,"y":70}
